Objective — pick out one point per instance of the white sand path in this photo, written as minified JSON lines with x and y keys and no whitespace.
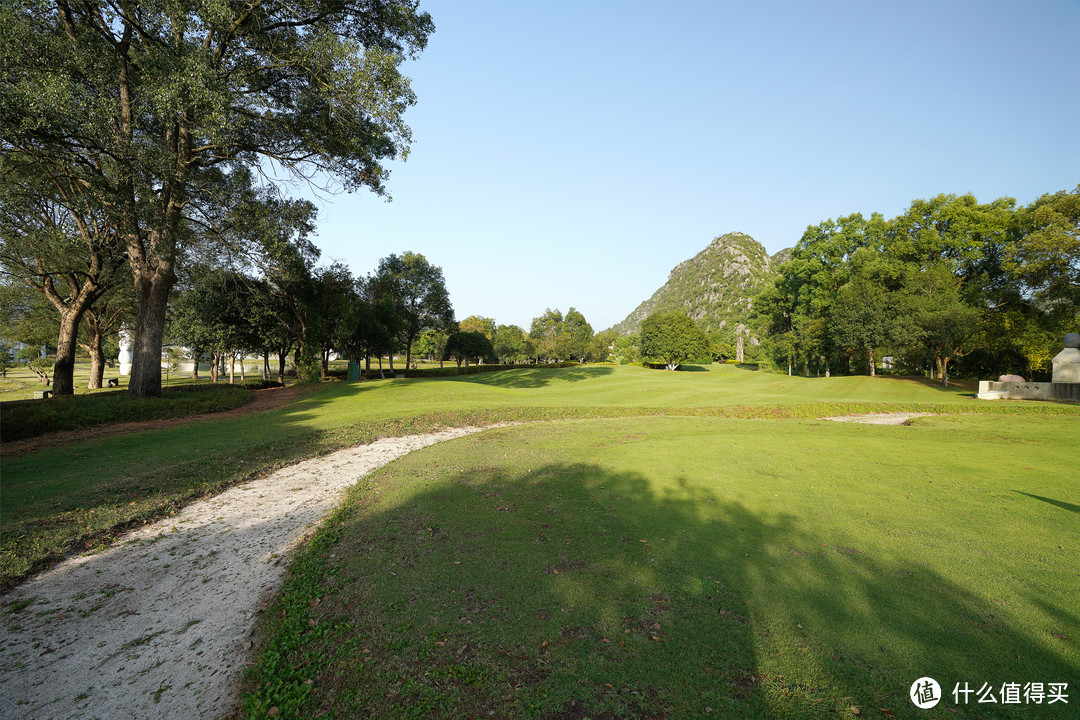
{"x":878,"y":418}
{"x":160,"y":625}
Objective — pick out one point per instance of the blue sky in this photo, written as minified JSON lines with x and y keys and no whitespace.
{"x":572,"y":153}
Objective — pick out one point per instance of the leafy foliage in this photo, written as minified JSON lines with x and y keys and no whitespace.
{"x":673,"y":338}
{"x":152,"y":108}
{"x":466,"y":346}
{"x":947,"y":280}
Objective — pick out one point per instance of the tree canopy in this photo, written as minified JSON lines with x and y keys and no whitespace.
{"x":673,"y":338}
{"x":151,"y":108}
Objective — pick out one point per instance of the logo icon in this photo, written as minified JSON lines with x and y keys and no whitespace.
{"x":925,"y":693}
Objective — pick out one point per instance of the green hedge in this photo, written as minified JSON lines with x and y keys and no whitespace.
{"x":452,"y":370}
{"x":21,"y":419}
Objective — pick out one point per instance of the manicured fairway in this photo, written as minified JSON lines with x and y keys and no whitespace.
{"x":76,"y":496}
{"x":691,"y":567}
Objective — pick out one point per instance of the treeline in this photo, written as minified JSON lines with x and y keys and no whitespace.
{"x":949,"y":286}
{"x":129,"y":135}
{"x":552,"y":338}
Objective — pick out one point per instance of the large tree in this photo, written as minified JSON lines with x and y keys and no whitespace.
{"x":420,"y":293}
{"x":509,"y":344}
{"x":151,"y":105}
{"x":546,"y":332}
{"x":463,"y":346}
{"x":673,"y":338}
{"x":1043,"y":253}
{"x":53,"y":238}
{"x":576,"y":335}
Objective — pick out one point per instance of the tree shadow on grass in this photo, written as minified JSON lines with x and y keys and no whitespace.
{"x":568,"y":591}
{"x":1071,"y":507}
{"x":536,"y":377}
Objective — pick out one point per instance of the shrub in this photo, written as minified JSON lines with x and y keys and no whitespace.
{"x":21,"y":419}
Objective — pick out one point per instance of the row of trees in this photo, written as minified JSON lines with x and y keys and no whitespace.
{"x":127,"y":131}
{"x":989,"y":286}
{"x":552,"y":337}
{"x":295,"y":307}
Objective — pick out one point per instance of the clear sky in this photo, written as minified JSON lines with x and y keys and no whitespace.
{"x":572,"y":153}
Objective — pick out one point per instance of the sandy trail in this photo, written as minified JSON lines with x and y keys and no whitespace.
{"x":879,"y":418}
{"x":160,"y":625}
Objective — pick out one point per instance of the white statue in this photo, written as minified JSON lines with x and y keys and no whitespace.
{"x":125,"y":351}
{"x":1067,"y":362}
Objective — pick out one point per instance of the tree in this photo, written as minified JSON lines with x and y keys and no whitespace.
{"x":7,"y":359}
{"x":420,"y":294}
{"x":576,"y":335}
{"x":509,"y":344}
{"x":373,"y":323}
{"x":475,"y":323}
{"x":939,"y":321}
{"x":546,"y":332}
{"x":628,"y":349}
{"x":55,"y":240}
{"x":100,"y":321}
{"x":463,"y":346}
{"x":1043,"y":252}
{"x":151,"y":106}
{"x":864,"y":314}
{"x":602,"y":345}
{"x":673,"y":338}
{"x":214,"y":315}
{"x":25,"y":316}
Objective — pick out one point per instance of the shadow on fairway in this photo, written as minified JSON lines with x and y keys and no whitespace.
{"x":1071,"y":507}
{"x":536,"y":377}
{"x":569,"y":592}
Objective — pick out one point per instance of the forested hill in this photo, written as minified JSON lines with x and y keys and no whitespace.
{"x":715,"y":287}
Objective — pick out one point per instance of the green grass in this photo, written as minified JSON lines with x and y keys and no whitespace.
{"x":30,"y":418}
{"x":20,"y":383}
{"x":891,"y":546}
{"x":76,"y":497}
{"x":689,"y":567}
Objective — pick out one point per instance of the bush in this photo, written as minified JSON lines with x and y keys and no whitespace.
{"x":454,"y":371}
{"x":260,"y":384}
{"x":21,"y":419}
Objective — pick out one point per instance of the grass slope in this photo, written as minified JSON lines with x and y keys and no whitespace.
{"x":76,"y":497}
{"x":688,"y":567}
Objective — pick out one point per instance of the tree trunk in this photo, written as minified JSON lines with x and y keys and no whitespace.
{"x":213,"y":366}
{"x":827,"y":367}
{"x":266,"y":365}
{"x":806,"y":367}
{"x":243,"y":376}
{"x":152,"y":296}
{"x":63,"y":375}
{"x":873,"y":370}
{"x":324,"y":366}
{"x":94,"y":345}
{"x":282,"y":357}
{"x":195,"y":355}
{"x":232,"y":367}
{"x":392,"y":364}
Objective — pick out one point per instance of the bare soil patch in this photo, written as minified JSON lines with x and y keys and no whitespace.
{"x":878,"y":418}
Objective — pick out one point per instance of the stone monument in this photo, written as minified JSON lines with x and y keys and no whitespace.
{"x":1067,"y":362}
{"x":1065,"y":384}
{"x":125,"y":351}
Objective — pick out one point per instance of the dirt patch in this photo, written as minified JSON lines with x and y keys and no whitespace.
{"x":879,"y":418}
{"x":161,"y":624}
{"x":261,"y":401}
